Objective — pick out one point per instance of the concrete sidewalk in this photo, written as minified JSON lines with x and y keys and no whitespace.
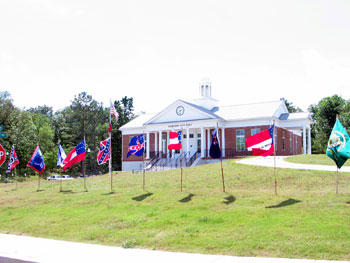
{"x":15,"y":249}
{"x":281,"y":163}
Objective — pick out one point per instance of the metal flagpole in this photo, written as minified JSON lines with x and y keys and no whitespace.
{"x":274,"y":157}
{"x":61,"y":180}
{"x":143,"y":163}
{"x":38,"y":182}
{"x":84,"y":170}
{"x":222,"y":169}
{"x":110,"y":154}
{"x":181,"y":166}
{"x":15,"y":178}
{"x":336,"y":183}
{"x":336,"y":190}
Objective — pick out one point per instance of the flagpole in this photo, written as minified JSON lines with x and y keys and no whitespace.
{"x":336,"y":189}
{"x":222,"y":169}
{"x":61,"y":179}
{"x":337,"y":178}
{"x":15,"y":178}
{"x":38,"y":182}
{"x":84,"y":170}
{"x":181,"y":167}
{"x":110,"y":154}
{"x":143,"y":165}
{"x":274,"y":158}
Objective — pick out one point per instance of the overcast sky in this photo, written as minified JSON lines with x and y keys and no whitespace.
{"x":157,"y":51}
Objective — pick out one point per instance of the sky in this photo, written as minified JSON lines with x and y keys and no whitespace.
{"x":158,"y":51}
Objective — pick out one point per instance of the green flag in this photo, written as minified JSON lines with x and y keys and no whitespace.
{"x":338,"y":148}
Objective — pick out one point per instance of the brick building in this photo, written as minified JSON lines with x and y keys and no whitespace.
{"x":199,"y":118}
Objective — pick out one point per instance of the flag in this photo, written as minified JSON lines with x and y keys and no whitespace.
{"x":110,"y":127}
{"x":76,"y":155}
{"x":61,"y":155}
{"x":13,"y":162}
{"x":103,"y":154}
{"x":214,"y":151}
{"x":136,"y":146}
{"x":261,"y":143}
{"x":338,"y":148}
{"x":36,"y":162}
{"x":113,"y":111}
{"x":175,"y":140}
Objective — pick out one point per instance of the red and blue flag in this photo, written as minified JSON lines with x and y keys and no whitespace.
{"x":175,"y":141}
{"x":76,"y":155}
{"x":104,"y":153}
{"x":136,"y":146}
{"x":36,"y":162}
{"x":261,"y":143}
{"x":13,"y":162}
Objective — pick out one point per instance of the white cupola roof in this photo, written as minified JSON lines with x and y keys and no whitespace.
{"x":205,"y":99}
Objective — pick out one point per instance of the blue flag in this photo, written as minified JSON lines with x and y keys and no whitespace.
{"x":136,"y":146}
{"x":61,"y":155}
{"x":215,"y":151}
{"x":36,"y":162}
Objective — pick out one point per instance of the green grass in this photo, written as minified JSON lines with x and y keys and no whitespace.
{"x":305,"y":220}
{"x":321,"y":159}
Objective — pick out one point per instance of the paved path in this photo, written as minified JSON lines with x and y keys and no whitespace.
{"x":281,"y":163}
{"x":15,"y":249}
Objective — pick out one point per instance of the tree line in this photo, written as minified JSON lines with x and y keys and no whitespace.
{"x":84,"y":117}
{"x":88,"y":118}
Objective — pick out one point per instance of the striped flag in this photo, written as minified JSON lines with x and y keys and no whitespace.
{"x":113,"y":111}
{"x":261,"y":143}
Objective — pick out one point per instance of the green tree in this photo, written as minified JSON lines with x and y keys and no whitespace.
{"x":291,"y":108}
{"x":324,"y":113}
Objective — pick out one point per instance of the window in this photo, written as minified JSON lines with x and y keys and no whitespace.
{"x":240,"y":140}
{"x":290,"y":143}
{"x":198,"y":135}
{"x":191,"y":135}
{"x":296,"y":145}
{"x":254,"y":131}
{"x":283,"y":140}
{"x":185,"y":136}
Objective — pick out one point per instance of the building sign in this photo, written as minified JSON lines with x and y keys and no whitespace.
{"x":181,"y":125}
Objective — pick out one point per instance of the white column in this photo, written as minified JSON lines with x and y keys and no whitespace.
{"x":309,"y":141}
{"x":160,"y":140}
{"x":167,"y":143}
{"x":223,"y":142}
{"x":304,"y":140}
{"x":187,"y":140}
{"x":148,"y":145}
{"x":208,"y":142}
{"x":202,"y":142}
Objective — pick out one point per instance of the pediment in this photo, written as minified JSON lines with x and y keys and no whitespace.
{"x":181,"y":111}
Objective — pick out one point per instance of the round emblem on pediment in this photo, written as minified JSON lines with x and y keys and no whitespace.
{"x":180,"y":110}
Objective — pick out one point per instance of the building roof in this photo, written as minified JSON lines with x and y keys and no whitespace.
{"x":262,"y":110}
{"x":138,"y":121}
{"x":252,"y":111}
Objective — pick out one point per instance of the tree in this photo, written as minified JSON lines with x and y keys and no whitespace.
{"x":324,"y":113}
{"x":290,"y":107}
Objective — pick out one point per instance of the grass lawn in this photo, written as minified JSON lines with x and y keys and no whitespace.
{"x":321,"y":159}
{"x":305,"y":220}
